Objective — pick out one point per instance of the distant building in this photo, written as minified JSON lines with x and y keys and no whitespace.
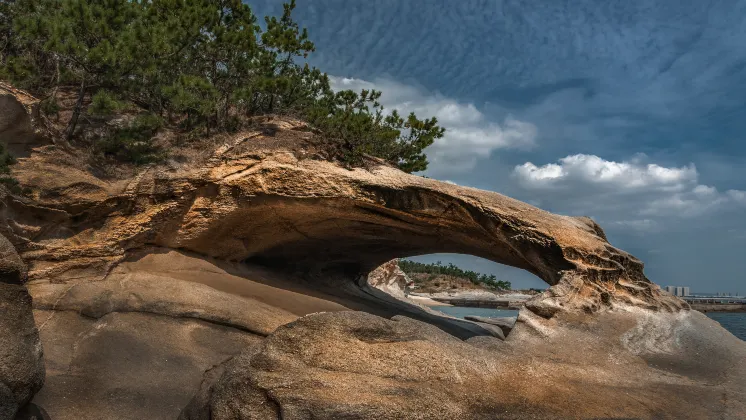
{"x":678,"y":290}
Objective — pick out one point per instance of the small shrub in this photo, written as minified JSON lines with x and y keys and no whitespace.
{"x":104,"y":103}
{"x":133,"y":143}
{"x":5,"y":161}
{"x":50,"y":106}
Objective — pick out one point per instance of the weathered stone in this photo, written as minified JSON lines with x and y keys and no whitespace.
{"x":505,"y":323}
{"x":12,"y":269}
{"x":356,"y":365}
{"x":21,"y":356}
{"x":19,"y":121}
{"x":389,"y":278}
{"x":128,"y":365}
{"x":21,"y":360}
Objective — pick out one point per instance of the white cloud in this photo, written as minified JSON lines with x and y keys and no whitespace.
{"x":592,"y":170}
{"x":470,"y":135}
{"x":629,"y":194}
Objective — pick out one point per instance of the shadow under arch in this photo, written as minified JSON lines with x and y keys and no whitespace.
{"x":336,"y":241}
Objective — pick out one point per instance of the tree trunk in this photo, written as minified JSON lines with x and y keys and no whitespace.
{"x":56,"y":87}
{"x":76,"y":112}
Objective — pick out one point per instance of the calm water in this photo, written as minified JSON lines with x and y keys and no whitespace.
{"x":460,"y":312}
{"x":733,"y":322}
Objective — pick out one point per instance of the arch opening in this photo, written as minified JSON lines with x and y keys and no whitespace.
{"x":460,"y":286}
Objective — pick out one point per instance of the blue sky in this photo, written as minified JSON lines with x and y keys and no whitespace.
{"x":631,"y":112}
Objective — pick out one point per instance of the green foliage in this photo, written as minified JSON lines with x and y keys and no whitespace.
{"x":49,"y":106}
{"x":133,"y":143}
{"x":358,"y":123}
{"x":202,"y":63}
{"x":104,"y":103}
{"x":412,"y":267}
{"x":5,"y":161}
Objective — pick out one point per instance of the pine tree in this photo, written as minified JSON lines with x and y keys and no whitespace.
{"x":198,"y":63}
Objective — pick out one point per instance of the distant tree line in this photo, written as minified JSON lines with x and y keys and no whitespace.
{"x":413,"y":267}
{"x":199,"y":65}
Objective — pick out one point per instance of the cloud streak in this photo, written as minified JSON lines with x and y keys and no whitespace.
{"x":470,"y":135}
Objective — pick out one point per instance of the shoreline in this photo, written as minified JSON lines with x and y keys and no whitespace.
{"x":424,"y":300}
{"x":721,"y":308}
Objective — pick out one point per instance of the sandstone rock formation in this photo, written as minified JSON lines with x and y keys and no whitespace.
{"x":248,"y":236}
{"x":20,"y":125}
{"x":600,"y":367}
{"x":389,"y":278}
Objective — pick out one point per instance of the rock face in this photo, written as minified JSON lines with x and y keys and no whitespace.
{"x":504,"y":323}
{"x":19,"y":122}
{"x":389,"y":278}
{"x":250,"y":236}
{"x":21,"y":361}
{"x":404,"y":369}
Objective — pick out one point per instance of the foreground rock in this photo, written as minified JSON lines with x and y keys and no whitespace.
{"x":356,"y":365}
{"x":21,"y":361}
{"x":128,"y":365}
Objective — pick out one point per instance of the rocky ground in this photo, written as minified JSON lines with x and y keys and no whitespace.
{"x":233,"y":284}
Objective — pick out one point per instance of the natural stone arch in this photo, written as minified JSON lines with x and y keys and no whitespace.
{"x":252,"y":199}
{"x":326,"y":221}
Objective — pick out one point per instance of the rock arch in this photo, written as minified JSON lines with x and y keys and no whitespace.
{"x":253,"y":199}
{"x":317,"y":218}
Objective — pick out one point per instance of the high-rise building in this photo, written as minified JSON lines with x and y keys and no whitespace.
{"x":678,"y":290}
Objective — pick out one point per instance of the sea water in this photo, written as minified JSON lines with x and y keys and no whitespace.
{"x":733,"y":322}
{"x":460,"y":312}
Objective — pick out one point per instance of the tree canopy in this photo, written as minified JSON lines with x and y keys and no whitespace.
{"x":198,"y":64}
{"x":411,"y":267}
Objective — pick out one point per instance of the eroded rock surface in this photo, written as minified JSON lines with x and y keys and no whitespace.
{"x":128,"y":365}
{"x":404,"y":369}
{"x":21,"y":356}
{"x":389,"y":278}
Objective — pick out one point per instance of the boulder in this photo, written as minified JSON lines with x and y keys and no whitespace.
{"x":12,"y":269}
{"x":20,"y":125}
{"x":357,"y":365}
{"x":389,"y":278}
{"x":21,"y":356}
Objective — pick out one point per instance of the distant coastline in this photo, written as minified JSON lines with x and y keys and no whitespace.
{"x":717,"y":304}
{"x":719,"y":307}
